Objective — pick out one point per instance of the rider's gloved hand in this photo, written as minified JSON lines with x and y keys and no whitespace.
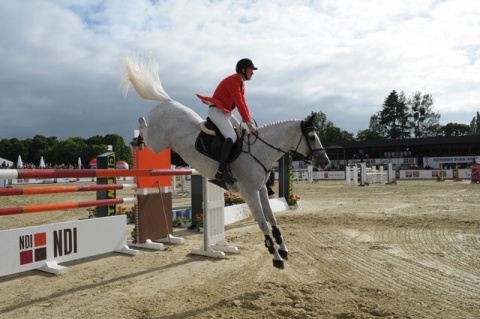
{"x":251,"y":128}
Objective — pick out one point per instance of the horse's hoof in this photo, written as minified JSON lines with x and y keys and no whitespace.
{"x":278,"y":264}
{"x":283,"y":254}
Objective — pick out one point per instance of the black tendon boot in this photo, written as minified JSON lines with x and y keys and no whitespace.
{"x":223,"y":174}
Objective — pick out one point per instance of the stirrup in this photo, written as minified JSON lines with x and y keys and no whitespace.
{"x":225,"y":177}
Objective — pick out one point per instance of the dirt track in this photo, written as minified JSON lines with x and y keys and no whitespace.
{"x":410,"y":250}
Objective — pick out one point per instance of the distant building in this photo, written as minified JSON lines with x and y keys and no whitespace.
{"x":406,"y":153}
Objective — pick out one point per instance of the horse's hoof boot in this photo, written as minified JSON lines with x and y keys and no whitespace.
{"x":278,"y":264}
{"x":283,"y":254}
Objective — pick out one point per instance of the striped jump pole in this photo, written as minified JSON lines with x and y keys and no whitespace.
{"x":62,"y":189}
{"x":87,"y":173}
{"x":61,"y":206}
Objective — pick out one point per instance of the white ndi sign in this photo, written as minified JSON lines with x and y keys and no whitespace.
{"x":43,"y":247}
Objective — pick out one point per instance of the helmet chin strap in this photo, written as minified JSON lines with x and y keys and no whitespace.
{"x":244,"y":73}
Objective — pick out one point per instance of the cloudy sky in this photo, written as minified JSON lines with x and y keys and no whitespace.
{"x":60,"y":70}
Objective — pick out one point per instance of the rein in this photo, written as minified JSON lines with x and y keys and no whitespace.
{"x":304,"y":134}
{"x":266,"y":143}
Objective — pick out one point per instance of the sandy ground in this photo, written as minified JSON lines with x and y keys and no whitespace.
{"x":410,"y":250}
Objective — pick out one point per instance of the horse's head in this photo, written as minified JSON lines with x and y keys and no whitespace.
{"x":310,"y":145}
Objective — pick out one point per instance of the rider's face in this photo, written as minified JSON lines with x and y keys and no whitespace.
{"x":249,"y":73}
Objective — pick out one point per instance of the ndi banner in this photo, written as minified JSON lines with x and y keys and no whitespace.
{"x":41,"y":247}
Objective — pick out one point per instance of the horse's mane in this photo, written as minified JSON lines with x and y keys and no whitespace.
{"x":275,"y":123}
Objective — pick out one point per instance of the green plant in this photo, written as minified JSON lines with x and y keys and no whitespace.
{"x":199,"y":220}
{"x":134,"y":235}
{"x":232,"y":199}
{"x":292,"y":200}
{"x":177,"y":222}
{"x":129,"y":212}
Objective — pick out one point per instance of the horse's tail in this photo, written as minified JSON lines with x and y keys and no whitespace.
{"x":142,"y":73}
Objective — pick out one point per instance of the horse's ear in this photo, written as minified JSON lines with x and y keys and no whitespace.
{"x":308,"y":125}
{"x":310,"y":119}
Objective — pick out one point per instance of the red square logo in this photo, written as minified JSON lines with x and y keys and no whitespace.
{"x":26,"y":257}
{"x":40,"y":239}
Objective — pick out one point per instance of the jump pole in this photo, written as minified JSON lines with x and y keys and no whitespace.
{"x":66,"y":205}
{"x":86,"y":173}
{"x":61,"y":189}
{"x":88,"y":233}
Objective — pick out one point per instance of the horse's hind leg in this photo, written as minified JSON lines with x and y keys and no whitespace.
{"x":270,"y":217}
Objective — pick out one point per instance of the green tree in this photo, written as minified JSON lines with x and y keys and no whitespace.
{"x":37,"y":147}
{"x":326,"y":130}
{"x":394,"y":116}
{"x":456,"y":129}
{"x":11,"y":148}
{"x":67,"y":151}
{"x":64,"y":152}
{"x":375,"y":131}
{"x":122,"y":151}
{"x":475,"y":124}
{"x":436,"y":130}
{"x":423,"y":119}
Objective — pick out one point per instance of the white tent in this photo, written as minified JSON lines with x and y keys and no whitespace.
{"x":4,"y":162}
{"x":19,"y":162}
{"x":42,"y":163}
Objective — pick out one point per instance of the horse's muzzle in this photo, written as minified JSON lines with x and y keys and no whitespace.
{"x":321,"y":160}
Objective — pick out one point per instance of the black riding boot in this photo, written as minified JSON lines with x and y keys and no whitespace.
{"x":223,"y":174}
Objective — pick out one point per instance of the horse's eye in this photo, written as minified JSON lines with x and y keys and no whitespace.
{"x":311,"y":138}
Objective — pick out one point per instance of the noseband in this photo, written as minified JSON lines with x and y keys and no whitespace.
{"x":305,"y":130}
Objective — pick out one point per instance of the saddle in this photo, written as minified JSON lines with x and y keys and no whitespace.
{"x":210,"y":141}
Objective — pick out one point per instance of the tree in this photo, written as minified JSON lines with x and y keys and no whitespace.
{"x":423,"y":119}
{"x":122,"y":151}
{"x":320,"y":122}
{"x":63,"y":152}
{"x":475,"y":125}
{"x":394,"y":116}
{"x":456,"y":129}
{"x":326,"y":130}
{"x":39,"y":147}
{"x":11,"y":148}
{"x":333,"y":133}
{"x":375,"y":131}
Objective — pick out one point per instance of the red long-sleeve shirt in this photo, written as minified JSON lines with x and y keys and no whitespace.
{"x":228,"y":95}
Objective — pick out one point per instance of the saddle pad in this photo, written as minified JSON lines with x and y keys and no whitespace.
{"x":203,"y":144}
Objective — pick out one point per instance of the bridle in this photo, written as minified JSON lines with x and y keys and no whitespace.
{"x":305,"y":130}
{"x":307,"y":158}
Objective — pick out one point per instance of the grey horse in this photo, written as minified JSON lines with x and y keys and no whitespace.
{"x":175,"y":126}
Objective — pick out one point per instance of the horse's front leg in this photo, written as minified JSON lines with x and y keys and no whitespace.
{"x":270,"y":217}
{"x":253,"y":201}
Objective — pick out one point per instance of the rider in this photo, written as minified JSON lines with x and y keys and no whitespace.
{"x":228,"y":95}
